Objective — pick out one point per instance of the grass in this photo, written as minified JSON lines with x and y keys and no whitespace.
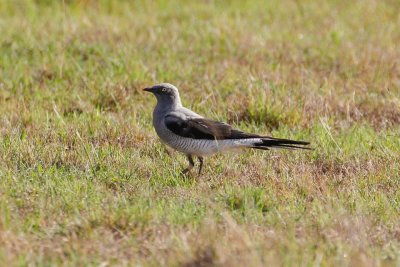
{"x":85,"y":181}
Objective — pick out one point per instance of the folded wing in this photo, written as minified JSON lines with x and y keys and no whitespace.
{"x":201,"y":128}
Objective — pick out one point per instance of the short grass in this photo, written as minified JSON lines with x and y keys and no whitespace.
{"x":85,"y":181}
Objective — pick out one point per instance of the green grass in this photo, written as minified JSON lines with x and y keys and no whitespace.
{"x":85,"y":181}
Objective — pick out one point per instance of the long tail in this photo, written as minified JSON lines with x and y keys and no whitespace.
{"x":270,"y":142}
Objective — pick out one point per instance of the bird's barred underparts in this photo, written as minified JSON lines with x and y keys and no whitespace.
{"x":203,"y":147}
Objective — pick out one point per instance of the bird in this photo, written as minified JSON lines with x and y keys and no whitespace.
{"x":197,"y":136}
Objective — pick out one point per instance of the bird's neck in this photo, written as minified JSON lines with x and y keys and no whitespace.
{"x":168,"y":104}
{"x":162,"y":109}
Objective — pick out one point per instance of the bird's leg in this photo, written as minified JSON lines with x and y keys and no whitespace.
{"x":201,"y":160}
{"x":191,"y":164}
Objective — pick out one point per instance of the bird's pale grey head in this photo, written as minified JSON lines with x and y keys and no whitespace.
{"x":166,"y":94}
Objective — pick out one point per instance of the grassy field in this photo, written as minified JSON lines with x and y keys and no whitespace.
{"x":84,"y":179}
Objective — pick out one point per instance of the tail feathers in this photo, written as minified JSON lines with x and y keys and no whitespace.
{"x":270,"y":142}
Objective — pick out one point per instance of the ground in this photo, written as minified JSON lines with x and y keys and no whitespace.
{"x":85,"y":180}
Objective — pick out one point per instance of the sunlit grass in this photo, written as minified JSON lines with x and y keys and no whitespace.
{"x":85,"y":180}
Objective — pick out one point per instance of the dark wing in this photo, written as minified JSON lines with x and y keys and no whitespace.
{"x":201,"y":128}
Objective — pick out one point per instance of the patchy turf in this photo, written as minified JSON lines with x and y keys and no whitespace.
{"x":85,"y":181}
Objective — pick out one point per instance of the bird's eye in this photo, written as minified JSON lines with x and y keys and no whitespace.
{"x":164,"y":89}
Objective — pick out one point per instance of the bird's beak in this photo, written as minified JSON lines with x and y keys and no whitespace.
{"x":148,"y":89}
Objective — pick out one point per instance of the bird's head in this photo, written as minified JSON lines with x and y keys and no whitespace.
{"x":166,"y":94}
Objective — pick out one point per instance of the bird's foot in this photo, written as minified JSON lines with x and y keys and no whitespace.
{"x":187,"y":174}
{"x":185,"y":171}
{"x":190,"y":167}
